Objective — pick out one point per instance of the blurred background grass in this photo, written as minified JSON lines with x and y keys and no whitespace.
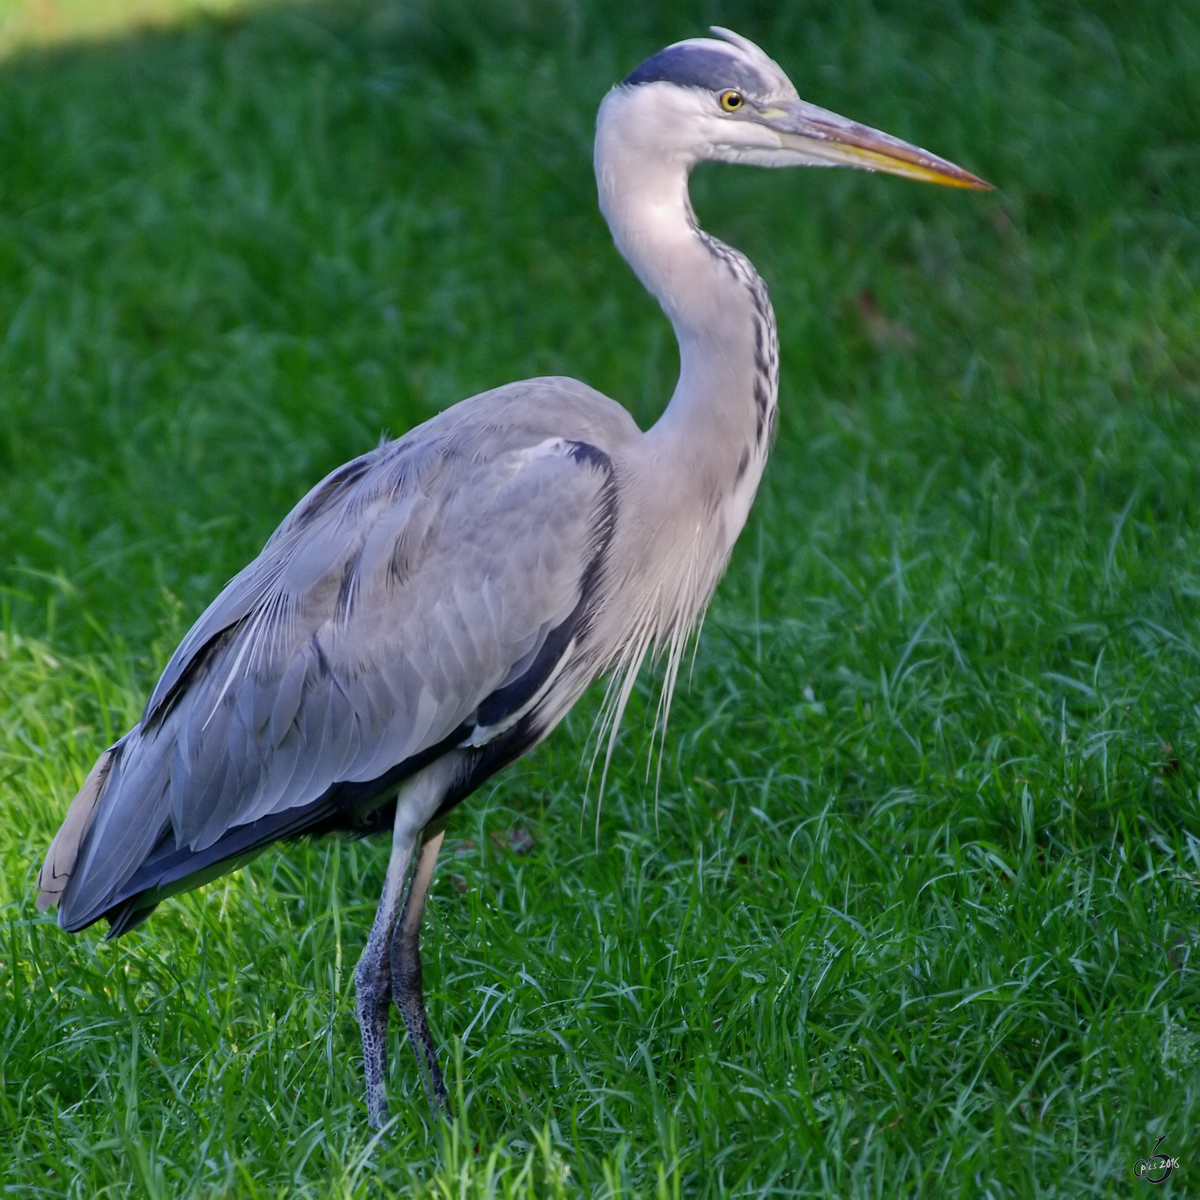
{"x":917,"y":905}
{"x":25,"y":23}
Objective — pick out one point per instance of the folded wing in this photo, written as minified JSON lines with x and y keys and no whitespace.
{"x":411,"y":602}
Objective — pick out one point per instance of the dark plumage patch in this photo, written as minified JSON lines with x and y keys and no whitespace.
{"x":324,"y":670}
{"x":348,"y":588}
{"x":333,"y":486}
{"x":354,"y":808}
{"x":197,"y":665}
{"x":761,"y":399}
{"x":505,"y":701}
{"x":698,"y":66}
{"x":584,"y":452}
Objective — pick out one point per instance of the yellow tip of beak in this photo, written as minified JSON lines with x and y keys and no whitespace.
{"x":916,"y":165}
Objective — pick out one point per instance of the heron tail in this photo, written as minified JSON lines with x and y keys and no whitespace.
{"x":63,"y":854}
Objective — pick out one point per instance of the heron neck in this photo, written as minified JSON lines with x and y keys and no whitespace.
{"x":721,"y":415}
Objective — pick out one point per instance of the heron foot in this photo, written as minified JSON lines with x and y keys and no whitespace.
{"x":411,"y":1003}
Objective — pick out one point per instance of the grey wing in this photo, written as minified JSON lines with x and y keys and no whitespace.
{"x":392,"y":615}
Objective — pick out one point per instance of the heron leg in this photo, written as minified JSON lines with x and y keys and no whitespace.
{"x":373,"y":981}
{"x":416,"y":802}
{"x":406,"y":972}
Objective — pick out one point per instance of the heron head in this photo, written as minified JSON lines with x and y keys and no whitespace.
{"x":726,"y":100}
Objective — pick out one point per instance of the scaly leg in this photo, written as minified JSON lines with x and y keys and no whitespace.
{"x":373,"y":980}
{"x":406,"y":973}
{"x":416,"y":803}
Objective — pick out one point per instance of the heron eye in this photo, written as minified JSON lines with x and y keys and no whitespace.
{"x":731,"y":101}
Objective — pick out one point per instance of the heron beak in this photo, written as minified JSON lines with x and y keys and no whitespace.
{"x":820,"y":134}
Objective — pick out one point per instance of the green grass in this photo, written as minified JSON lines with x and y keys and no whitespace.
{"x":915,"y":912}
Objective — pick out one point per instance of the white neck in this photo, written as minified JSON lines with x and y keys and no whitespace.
{"x":718,"y":424}
{"x":689,"y":481}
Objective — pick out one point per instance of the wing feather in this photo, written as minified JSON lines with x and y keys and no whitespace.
{"x":400,"y":594}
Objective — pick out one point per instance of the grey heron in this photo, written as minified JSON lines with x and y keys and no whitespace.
{"x":429,"y":612}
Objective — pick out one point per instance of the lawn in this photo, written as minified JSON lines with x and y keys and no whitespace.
{"x":914,"y":910}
